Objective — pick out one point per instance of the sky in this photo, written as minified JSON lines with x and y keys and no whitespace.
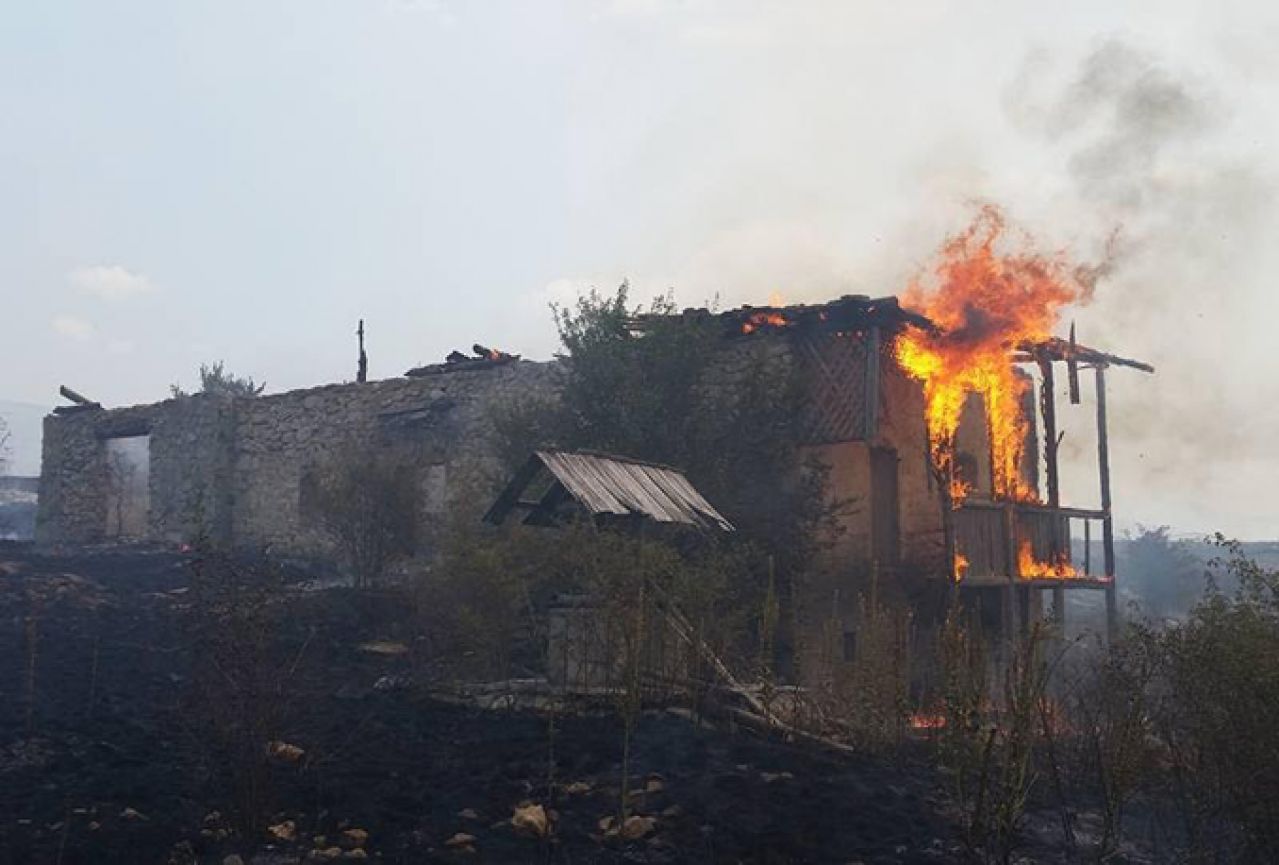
{"x":242,"y":181}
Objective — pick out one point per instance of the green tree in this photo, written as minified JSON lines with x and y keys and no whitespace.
{"x":676,"y":392}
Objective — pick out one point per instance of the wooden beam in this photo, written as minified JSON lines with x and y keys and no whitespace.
{"x":1072,"y":368}
{"x":514,"y":491}
{"x":1107,"y":521}
{"x":77,"y":398}
{"x":1048,"y":408}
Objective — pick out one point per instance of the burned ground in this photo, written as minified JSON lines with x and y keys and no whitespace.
{"x":104,"y":753}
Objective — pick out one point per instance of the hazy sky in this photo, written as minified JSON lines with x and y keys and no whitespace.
{"x":187,"y":182}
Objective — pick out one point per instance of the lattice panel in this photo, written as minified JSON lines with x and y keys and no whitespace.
{"x":835,"y":369}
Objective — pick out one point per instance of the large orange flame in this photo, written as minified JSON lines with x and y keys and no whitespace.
{"x":985,"y":301}
{"x":1028,"y":567}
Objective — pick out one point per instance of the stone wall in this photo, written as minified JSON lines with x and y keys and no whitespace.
{"x":233,"y":469}
{"x":440,"y":424}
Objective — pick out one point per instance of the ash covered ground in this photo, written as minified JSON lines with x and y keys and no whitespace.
{"x":107,"y":754}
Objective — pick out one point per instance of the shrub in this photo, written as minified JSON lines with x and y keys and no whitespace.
{"x":367,"y":502}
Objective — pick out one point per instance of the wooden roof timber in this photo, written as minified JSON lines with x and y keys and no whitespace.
{"x":1055,"y":348}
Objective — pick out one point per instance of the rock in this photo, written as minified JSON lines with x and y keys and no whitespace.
{"x":353,"y":838}
{"x":461,"y":839}
{"x":673,"y":811}
{"x":654,"y":785}
{"x":285,"y":831}
{"x":468,"y":814}
{"x":131,"y":814}
{"x":770,"y":777}
{"x":357,"y":853}
{"x":636,"y":827}
{"x":384,"y":647}
{"x":325,"y":854}
{"x":577,"y":788}
{"x":284,"y":751}
{"x":531,"y":820}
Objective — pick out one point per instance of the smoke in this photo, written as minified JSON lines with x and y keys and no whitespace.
{"x":1150,"y":158}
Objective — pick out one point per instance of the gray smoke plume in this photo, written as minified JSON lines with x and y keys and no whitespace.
{"x":1153,"y":163}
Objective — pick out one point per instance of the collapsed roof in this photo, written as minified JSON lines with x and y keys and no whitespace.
{"x":854,"y":313}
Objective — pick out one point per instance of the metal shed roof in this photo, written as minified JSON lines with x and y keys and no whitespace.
{"x":609,"y":485}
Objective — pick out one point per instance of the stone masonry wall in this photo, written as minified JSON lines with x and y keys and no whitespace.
{"x":440,"y":423}
{"x":233,"y":469}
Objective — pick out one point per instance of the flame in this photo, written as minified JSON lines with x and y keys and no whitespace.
{"x":985,"y":302}
{"x":1028,"y":567}
{"x":775,"y":299}
{"x":764,"y":318}
{"x":961,"y":566}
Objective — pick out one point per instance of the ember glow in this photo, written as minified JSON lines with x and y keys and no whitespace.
{"x":927,"y":721}
{"x":764,"y":318}
{"x":985,"y":301}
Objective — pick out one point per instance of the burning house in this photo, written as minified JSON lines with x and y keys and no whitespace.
{"x":935,"y":415}
{"x":953,"y":471}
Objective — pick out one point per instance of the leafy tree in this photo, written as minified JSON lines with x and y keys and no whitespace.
{"x":215,"y":379}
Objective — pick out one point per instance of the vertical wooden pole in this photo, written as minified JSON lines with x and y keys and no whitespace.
{"x":1010,"y":590}
{"x":1087,"y":548}
{"x":1048,"y":407}
{"x":362,"y":368}
{"x":1107,"y":522}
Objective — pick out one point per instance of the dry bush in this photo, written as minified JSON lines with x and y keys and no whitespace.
{"x":368,"y":502}
{"x":241,"y":694}
{"x":1101,"y":746}
{"x":989,"y":740}
{"x":866,"y":699}
{"x":1214,"y":708}
{"x":480,"y":603}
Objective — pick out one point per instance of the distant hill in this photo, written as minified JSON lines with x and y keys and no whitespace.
{"x":25,"y":422}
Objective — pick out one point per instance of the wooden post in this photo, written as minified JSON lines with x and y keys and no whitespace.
{"x":1087,"y":548}
{"x":362,"y":369}
{"x":1010,"y":590}
{"x":871,"y":416}
{"x":1048,"y":407}
{"x":1107,"y":522}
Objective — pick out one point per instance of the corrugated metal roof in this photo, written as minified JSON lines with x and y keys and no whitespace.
{"x":609,"y":485}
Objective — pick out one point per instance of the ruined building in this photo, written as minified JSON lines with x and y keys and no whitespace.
{"x":240,"y":470}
